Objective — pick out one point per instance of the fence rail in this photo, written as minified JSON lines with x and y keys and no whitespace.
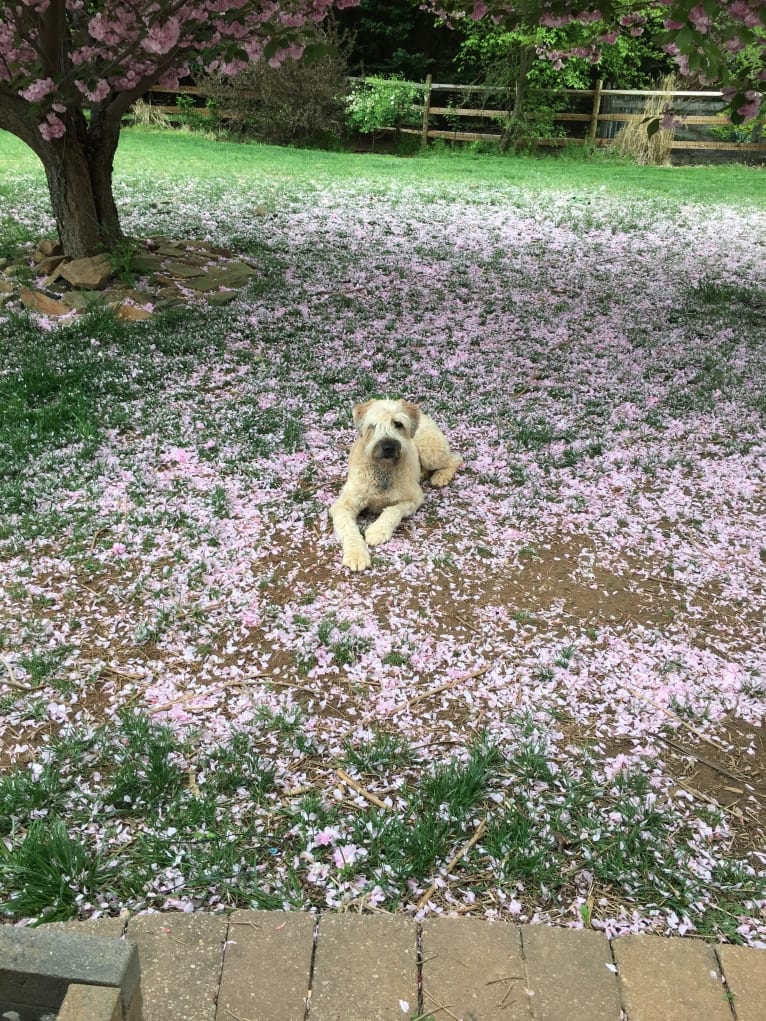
{"x":595,"y":119}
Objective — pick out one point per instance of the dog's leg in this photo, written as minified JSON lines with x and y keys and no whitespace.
{"x":446,"y":474}
{"x":355,"y":553}
{"x":383,"y":526}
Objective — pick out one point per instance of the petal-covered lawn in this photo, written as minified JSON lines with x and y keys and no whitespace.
{"x":545,"y":699}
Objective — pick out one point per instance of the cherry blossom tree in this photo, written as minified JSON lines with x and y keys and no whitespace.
{"x":70,"y":70}
{"x":704,"y":37}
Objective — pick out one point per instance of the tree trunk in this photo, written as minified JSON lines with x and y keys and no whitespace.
{"x":78,"y":168}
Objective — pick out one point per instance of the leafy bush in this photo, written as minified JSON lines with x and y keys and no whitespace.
{"x":298,"y":103}
{"x":378,"y":103}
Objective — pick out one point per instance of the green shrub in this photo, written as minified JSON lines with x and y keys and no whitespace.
{"x":301,"y":102}
{"x":379,"y":103}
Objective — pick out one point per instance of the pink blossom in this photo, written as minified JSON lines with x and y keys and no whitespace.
{"x":96,"y":92}
{"x":555,"y":20}
{"x":618,"y":765}
{"x":38,"y":90}
{"x":326,"y":836}
{"x":750,"y":109}
{"x":743,"y":12}
{"x":347,"y":854}
{"x":161,"y":39}
{"x":52,"y":127}
{"x":701,"y":20}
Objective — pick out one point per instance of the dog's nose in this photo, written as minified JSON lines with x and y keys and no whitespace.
{"x":389,"y":449}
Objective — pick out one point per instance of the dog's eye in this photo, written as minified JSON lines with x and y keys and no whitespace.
{"x":400,"y":426}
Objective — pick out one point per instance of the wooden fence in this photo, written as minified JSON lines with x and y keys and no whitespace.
{"x":597,"y":124}
{"x":592,"y":121}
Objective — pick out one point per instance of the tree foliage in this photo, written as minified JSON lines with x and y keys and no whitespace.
{"x":703,"y":37}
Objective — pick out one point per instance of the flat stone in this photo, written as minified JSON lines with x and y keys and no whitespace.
{"x":745,"y":971}
{"x":172,"y":249}
{"x":267,"y":965}
{"x":570,"y":974}
{"x":671,"y":979}
{"x":40,"y":302}
{"x":50,"y":247}
{"x":6,"y":287}
{"x":80,"y":301}
{"x":132,"y":313}
{"x":181,"y":960}
{"x":474,"y":968}
{"x":208,"y":246}
{"x":146,"y":262}
{"x":234,"y":275}
{"x":365,"y":968}
{"x":91,"y":273}
{"x":48,"y":264}
{"x":220,"y":297}
{"x":38,"y":965}
{"x":184,"y":270}
{"x":96,"y":1003}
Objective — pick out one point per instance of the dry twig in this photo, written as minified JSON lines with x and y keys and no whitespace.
{"x":437,"y":691}
{"x":13,"y":682}
{"x":481,"y":829}
{"x":350,"y":782}
{"x":677,"y":718}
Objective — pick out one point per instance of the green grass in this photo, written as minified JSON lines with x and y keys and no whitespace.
{"x":159,"y":153}
{"x":549,"y":824}
{"x":68,"y":394}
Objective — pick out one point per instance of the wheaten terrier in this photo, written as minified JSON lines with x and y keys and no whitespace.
{"x":399,"y":446}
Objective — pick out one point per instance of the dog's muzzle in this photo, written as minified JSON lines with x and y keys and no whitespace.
{"x":387,"y":450}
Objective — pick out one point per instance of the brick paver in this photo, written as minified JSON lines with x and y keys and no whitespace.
{"x":365,"y":968}
{"x":572,"y":974}
{"x":267,"y":966}
{"x":91,"y":1003}
{"x":672,"y":979}
{"x":181,"y":960}
{"x":745,"y":980}
{"x":263,"y":966}
{"x":473,"y":968}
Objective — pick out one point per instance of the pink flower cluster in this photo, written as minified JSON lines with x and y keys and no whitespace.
{"x":118,"y":47}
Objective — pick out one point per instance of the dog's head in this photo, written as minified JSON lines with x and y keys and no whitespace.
{"x":386,"y":426}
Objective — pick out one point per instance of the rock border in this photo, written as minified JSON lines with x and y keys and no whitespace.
{"x":156,"y":273}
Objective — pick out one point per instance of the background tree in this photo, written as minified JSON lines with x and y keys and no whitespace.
{"x":399,"y":37}
{"x":703,"y":37}
{"x":70,"y":70}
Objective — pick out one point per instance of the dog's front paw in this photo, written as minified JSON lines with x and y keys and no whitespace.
{"x":377,"y":534}
{"x":356,"y":557}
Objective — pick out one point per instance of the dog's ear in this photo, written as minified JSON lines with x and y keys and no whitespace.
{"x":413,"y":413}
{"x":360,"y":411}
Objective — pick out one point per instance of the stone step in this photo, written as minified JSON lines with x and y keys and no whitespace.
{"x":294,"y":966}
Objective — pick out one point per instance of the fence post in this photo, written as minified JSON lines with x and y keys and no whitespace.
{"x":595,"y":111}
{"x":426,"y":108}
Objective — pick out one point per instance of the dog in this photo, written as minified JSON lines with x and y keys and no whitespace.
{"x":398,"y":446}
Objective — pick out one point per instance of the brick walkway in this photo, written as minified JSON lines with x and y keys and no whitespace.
{"x":275,"y":966}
